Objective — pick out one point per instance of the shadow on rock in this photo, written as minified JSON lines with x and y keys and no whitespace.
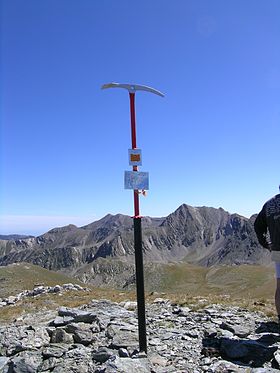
{"x":268,"y":327}
{"x":253,"y":353}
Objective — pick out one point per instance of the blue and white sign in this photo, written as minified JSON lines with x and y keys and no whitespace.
{"x":136,"y":180}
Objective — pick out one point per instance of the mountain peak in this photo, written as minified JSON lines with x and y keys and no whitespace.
{"x":66,"y":228}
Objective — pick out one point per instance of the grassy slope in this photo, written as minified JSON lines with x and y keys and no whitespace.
{"x":237,"y":281}
{"x":247,"y":286}
{"x":20,"y":276}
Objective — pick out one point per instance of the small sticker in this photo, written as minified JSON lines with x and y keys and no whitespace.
{"x":135,"y":157}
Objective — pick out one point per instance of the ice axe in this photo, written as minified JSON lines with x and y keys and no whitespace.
{"x":132,"y":88}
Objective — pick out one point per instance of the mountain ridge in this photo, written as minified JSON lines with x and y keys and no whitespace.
{"x":203,"y":236}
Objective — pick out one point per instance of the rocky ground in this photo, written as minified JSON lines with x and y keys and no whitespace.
{"x":39,"y":290}
{"x":103,"y":337}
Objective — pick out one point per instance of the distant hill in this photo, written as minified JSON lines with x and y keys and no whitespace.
{"x":202,"y":236}
{"x":13,"y":237}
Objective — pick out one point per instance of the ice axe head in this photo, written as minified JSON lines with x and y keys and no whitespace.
{"x":132,"y":88}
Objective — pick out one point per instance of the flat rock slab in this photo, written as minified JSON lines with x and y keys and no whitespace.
{"x":124,"y":365}
{"x":77,"y":315}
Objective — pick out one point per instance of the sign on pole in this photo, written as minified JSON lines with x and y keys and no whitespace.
{"x":136,"y":180}
{"x":135,"y":157}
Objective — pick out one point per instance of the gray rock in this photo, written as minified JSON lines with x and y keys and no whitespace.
{"x":3,"y":363}
{"x":128,"y":305}
{"x":73,"y":366}
{"x":184,"y":311}
{"x":161,"y":301}
{"x":15,"y":339}
{"x":81,"y":333}
{"x":123,"y":352}
{"x":247,"y":351}
{"x":55,"y":350}
{"x":39,"y":290}
{"x":102,"y":355}
{"x":11,"y":300}
{"x":60,"y":336}
{"x":26,"y":362}
{"x":122,"y":335}
{"x":108,"y":341}
{"x":56,"y":289}
{"x":50,"y":364}
{"x":124,"y":339}
{"x":77,"y":360}
{"x":262,"y":370}
{"x":158,"y":360}
{"x":78,"y":315}
{"x":277,"y":356}
{"x":224,"y":367}
{"x":62,"y":321}
{"x":124,"y":365}
{"x":238,"y":330}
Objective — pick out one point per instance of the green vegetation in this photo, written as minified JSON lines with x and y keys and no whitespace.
{"x":236,"y":281}
{"x":250,"y":287}
{"x":24,"y":276}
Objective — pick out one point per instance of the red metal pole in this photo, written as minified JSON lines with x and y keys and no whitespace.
{"x":132,"y":119}
{"x":134,"y":146}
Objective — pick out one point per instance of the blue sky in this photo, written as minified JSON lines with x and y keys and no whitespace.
{"x":213,"y":140}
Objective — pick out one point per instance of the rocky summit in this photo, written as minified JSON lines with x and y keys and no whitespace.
{"x":102,"y":336}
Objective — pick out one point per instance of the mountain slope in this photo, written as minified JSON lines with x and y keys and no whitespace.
{"x":199,"y":235}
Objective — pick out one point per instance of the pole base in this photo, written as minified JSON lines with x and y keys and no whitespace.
{"x":140,"y":284}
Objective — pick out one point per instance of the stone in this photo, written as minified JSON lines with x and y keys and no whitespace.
{"x":62,"y":321}
{"x":39,"y":290}
{"x":184,"y":311}
{"x":15,"y":339}
{"x":161,"y":301}
{"x":81,"y":333}
{"x":50,"y":363}
{"x":102,"y":354}
{"x":128,"y":305}
{"x":192,"y":333}
{"x":3,"y":363}
{"x":78,"y":315}
{"x":124,"y":365}
{"x":158,"y":360}
{"x":123,"y":352}
{"x":124,"y":339}
{"x":241,"y":331}
{"x":26,"y":362}
{"x":102,"y":337}
{"x":247,"y":351}
{"x":60,"y":336}
{"x":224,"y":366}
{"x":238,"y":330}
{"x":56,"y":289}
{"x":277,"y":357}
{"x":264,"y":370}
{"x":11,"y":300}
{"x":55,"y":350}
